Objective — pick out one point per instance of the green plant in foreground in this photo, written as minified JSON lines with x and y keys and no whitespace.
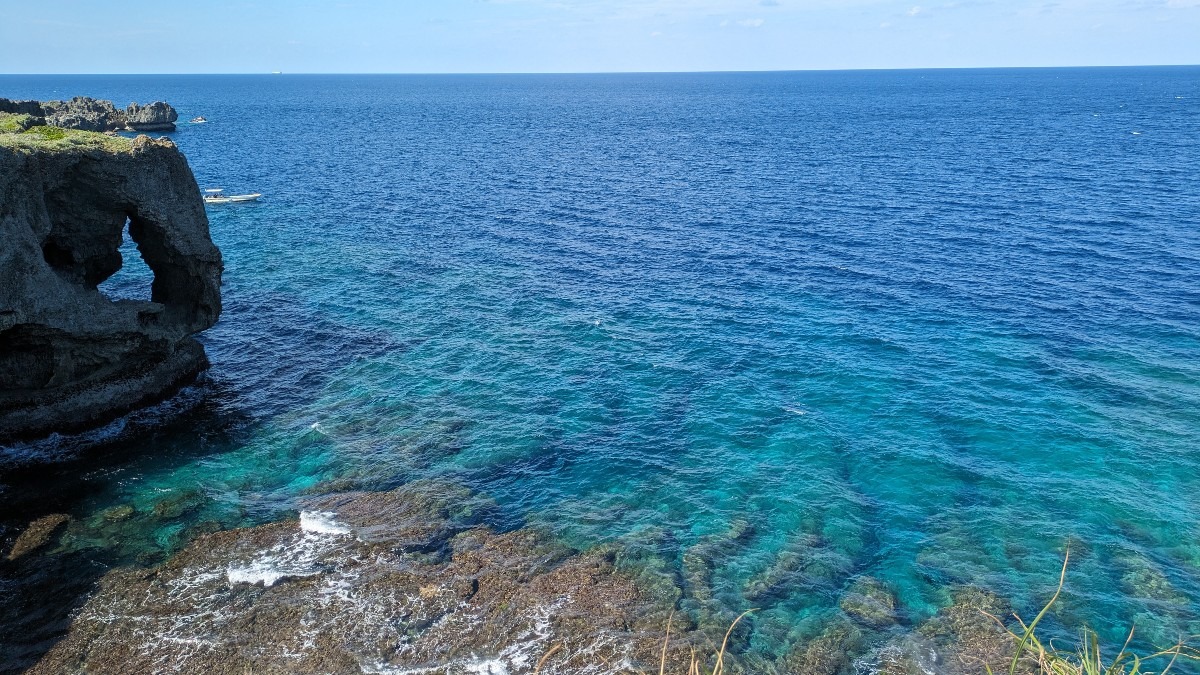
{"x":1086,"y":659}
{"x":694,"y":668}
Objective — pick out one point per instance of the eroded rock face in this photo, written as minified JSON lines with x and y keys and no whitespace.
{"x":71,"y":358}
{"x":83,"y":113}
{"x":88,"y":114}
{"x":157,"y":116}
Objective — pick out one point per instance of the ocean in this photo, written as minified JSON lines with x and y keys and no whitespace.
{"x":944,"y":323}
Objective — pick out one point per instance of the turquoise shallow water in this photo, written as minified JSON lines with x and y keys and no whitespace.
{"x":945,"y":322}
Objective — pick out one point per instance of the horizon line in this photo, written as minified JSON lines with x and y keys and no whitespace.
{"x":617,"y":72}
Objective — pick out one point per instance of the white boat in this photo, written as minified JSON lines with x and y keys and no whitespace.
{"x":218,"y":196}
{"x":198,"y":120}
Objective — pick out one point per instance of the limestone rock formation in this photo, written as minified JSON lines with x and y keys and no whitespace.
{"x":84,"y":113}
{"x":157,"y":116}
{"x":70,"y":357}
{"x":22,"y":107}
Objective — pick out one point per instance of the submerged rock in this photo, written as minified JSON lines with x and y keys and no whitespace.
{"x":699,"y":563}
{"x":343,"y":590}
{"x":1141,"y":578}
{"x":967,"y":638}
{"x":828,"y":654}
{"x":38,"y":534}
{"x":806,"y":562}
{"x":912,"y":655}
{"x":646,"y":557}
{"x":71,"y":358}
{"x":115,"y":514}
{"x":178,"y":504}
{"x":700,"y":560}
{"x":961,"y":639}
{"x":421,"y":517}
{"x":870,"y":602}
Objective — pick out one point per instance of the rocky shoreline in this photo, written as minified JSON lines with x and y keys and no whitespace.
{"x":88,"y":114}
{"x":413,"y":581}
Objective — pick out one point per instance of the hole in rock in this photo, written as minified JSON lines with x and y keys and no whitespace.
{"x":58,"y":257}
{"x":133,"y":280}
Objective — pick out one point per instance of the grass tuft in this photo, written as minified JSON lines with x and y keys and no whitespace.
{"x":47,"y":133}
{"x":12,"y":123}
{"x":1030,"y":652}
{"x":1087,"y":658}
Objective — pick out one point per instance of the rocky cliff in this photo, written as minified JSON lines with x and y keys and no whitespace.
{"x":70,"y":357}
{"x":89,"y":114}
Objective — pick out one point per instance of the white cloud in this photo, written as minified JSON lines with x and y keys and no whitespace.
{"x":751,"y":23}
{"x":914,"y":11}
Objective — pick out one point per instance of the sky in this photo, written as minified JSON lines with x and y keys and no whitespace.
{"x":479,"y":36}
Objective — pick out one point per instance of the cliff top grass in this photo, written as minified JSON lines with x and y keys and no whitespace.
{"x":19,"y":133}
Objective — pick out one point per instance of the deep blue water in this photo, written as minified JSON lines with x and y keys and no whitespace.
{"x":947,"y":321}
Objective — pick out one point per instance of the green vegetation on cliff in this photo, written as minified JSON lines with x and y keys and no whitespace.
{"x":12,"y":123}
{"x":20,"y":133}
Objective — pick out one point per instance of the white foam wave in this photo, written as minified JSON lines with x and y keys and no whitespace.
{"x":347,"y":608}
{"x":321,"y":522}
{"x":319,"y":534}
{"x":489,"y":667}
{"x":261,"y":572}
{"x":881,"y":660}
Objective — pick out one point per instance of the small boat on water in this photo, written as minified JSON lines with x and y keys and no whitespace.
{"x":198,"y":120}
{"x":218,"y":196}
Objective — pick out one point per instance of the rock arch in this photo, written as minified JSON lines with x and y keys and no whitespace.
{"x":70,"y":357}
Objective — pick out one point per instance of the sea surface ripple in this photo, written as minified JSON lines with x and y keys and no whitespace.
{"x":947,"y":322}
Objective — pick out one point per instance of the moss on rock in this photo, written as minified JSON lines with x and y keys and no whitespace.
{"x":26,"y":133}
